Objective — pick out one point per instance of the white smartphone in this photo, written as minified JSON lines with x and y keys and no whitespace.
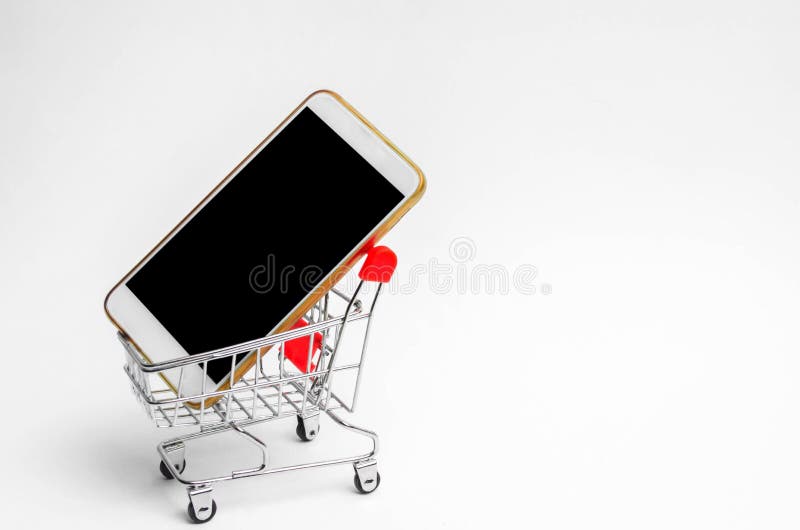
{"x":267,"y":242}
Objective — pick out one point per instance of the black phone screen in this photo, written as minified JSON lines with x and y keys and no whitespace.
{"x":265,"y":240}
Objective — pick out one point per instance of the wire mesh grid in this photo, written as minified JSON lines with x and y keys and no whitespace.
{"x":274,"y":387}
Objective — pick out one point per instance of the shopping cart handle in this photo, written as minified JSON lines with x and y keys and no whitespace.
{"x":379,"y":265}
{"x":296,"y":350}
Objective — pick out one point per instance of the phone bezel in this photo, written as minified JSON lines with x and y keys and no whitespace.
{"x":155,"y":342}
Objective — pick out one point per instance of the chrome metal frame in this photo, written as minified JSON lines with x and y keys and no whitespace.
{"x":264,"y":394}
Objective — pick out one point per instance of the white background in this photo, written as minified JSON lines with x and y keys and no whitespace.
{"x":643,"y":156}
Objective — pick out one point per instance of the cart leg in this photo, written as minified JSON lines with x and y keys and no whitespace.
{"x":202,"y":506}
{"x":176,"y":460}
{"x":307,"y":426}
{"x":367,"y":478}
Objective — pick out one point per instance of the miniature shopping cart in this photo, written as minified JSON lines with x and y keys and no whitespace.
{"x":293,"y":376}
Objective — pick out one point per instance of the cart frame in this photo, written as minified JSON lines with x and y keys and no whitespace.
{"x":265,"y":395}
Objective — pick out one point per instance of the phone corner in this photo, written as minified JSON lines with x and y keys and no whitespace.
{"x":325,"y":92}
{"x":107,"y":309}
{"x":422,"y":186}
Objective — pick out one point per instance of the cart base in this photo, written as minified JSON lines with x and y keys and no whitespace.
{"x":202,"y":507}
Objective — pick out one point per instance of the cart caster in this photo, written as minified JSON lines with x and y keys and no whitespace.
{"x":203,"y":517}
{"x":165,"y":470}
{"x":307,"y":428}
{"x":202,"y":508}
{"x":372,"y":484}
{"x":367,"y":479}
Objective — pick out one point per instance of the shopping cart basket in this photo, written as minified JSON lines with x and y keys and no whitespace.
{"x":293,"y":376}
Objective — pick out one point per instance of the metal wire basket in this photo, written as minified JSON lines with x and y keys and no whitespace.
{"x":293,"y":376}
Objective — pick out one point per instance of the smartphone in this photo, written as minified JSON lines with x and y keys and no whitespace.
{"x":266,"y":243}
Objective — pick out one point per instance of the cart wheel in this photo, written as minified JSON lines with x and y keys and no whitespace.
{"x":306,"y":435}
{"x":165,"y":470}
{"x":370,"y":487}
{"x":199,"y":519}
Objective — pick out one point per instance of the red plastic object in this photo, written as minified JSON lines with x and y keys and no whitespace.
{"x":296,"y":350}
{"x":379,"y":265}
